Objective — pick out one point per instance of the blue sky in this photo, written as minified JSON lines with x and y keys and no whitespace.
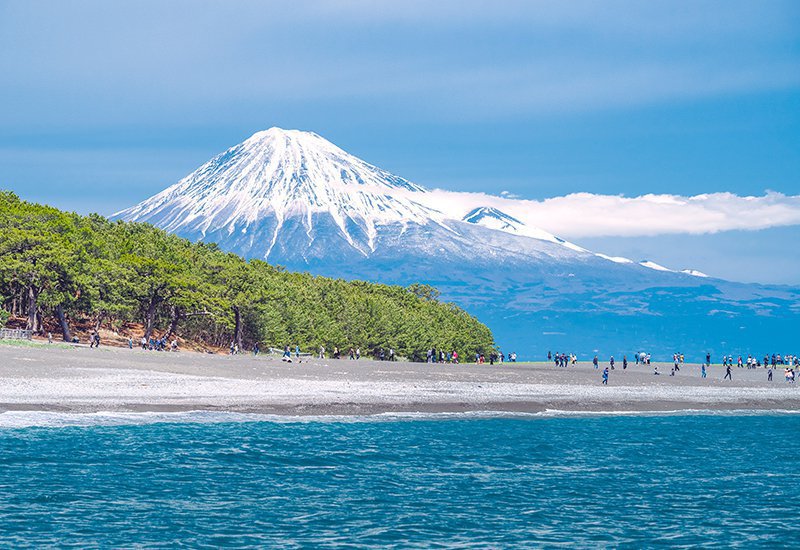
{"x":102,"y":104}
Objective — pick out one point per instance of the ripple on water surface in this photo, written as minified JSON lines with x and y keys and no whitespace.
{"x":674,"y":480}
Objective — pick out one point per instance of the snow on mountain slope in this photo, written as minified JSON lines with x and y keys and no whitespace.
{"x":615,"y":259}
{"x":655,"y":266}
{"x":492,"y":218}
{"x":694,"y":273}
{"x":291,"y":193}
{"x":283,"y":174}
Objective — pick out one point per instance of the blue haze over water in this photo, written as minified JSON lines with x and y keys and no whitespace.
{"x":719,"y":480}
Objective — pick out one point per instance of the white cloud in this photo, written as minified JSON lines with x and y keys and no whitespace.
{"x":590,"y":215}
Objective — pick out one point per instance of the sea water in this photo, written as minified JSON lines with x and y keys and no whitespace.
{"x":630,"y":481}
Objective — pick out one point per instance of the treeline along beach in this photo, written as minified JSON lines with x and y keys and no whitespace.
{"x":58,"y":269}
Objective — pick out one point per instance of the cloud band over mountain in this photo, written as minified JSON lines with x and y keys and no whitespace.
{"x":594,"y":215}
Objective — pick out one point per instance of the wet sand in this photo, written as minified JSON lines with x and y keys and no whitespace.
{"x":50,"y":378}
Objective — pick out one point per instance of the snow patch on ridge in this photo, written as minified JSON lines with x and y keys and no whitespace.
{"x":615,"y":259}
{"x":694,"y":273}
{"x":655,"y":266}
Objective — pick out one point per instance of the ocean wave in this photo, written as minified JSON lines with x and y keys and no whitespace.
{"x":50,"y":419}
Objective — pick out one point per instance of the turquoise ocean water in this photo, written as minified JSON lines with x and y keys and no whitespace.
{"x":629,"y":481}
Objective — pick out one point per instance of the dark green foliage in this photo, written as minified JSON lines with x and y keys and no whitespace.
{"x":60,"y":266}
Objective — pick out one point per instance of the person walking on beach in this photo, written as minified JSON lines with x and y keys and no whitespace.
{"x":605,"y":376}
{"x":703,"y":370}
{"x":594,"y":361}
{"x":728,"y":373}
{"x":708,"y":359}
{"x":769,"y":375}
{"x":624,"y":362}
{"x":611,"y":362}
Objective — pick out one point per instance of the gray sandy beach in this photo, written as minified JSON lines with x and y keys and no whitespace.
{"x":54,"y":378}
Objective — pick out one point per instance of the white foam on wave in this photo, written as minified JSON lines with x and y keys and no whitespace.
{"x":47,"y":419}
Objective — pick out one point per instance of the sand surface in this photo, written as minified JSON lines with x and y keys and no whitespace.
{"x":51,"y":378}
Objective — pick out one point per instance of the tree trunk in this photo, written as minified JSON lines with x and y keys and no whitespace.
{"x":99,"y":321}
{"x":62,"y":322}
{"x":175,"y":317}
{"x":237,"y":326}
{"x":149,"y":317}
{"x":32,"y":302}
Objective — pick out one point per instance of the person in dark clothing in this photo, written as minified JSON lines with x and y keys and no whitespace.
{"x":605,"y":376}
{"x":624,"y":362}
{"x":728,"y":373}
{"x":594,"y":361}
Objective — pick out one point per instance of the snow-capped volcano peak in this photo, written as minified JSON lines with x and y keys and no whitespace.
{"x":280,"y":174}
{"x":292,"y":196}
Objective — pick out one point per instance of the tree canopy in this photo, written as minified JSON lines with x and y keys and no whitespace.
{"x":59,"y":267}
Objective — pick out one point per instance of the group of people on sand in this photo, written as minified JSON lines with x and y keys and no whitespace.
{"x":753,"y":362}
{"x":494,"y":357}
{"x":791,"y":362}
{"x":354,"y":354}
{"x":562,"y":359}
{"x":156,"y":344}
{"x":440,"y":356}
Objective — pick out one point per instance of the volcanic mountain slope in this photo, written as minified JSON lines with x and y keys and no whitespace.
{"x":295,"y":199}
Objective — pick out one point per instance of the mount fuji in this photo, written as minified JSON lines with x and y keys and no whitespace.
{"x":293,"y":198}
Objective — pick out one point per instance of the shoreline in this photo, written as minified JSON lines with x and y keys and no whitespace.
{"x":23,"y":419}
{"x":114,"y":380}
